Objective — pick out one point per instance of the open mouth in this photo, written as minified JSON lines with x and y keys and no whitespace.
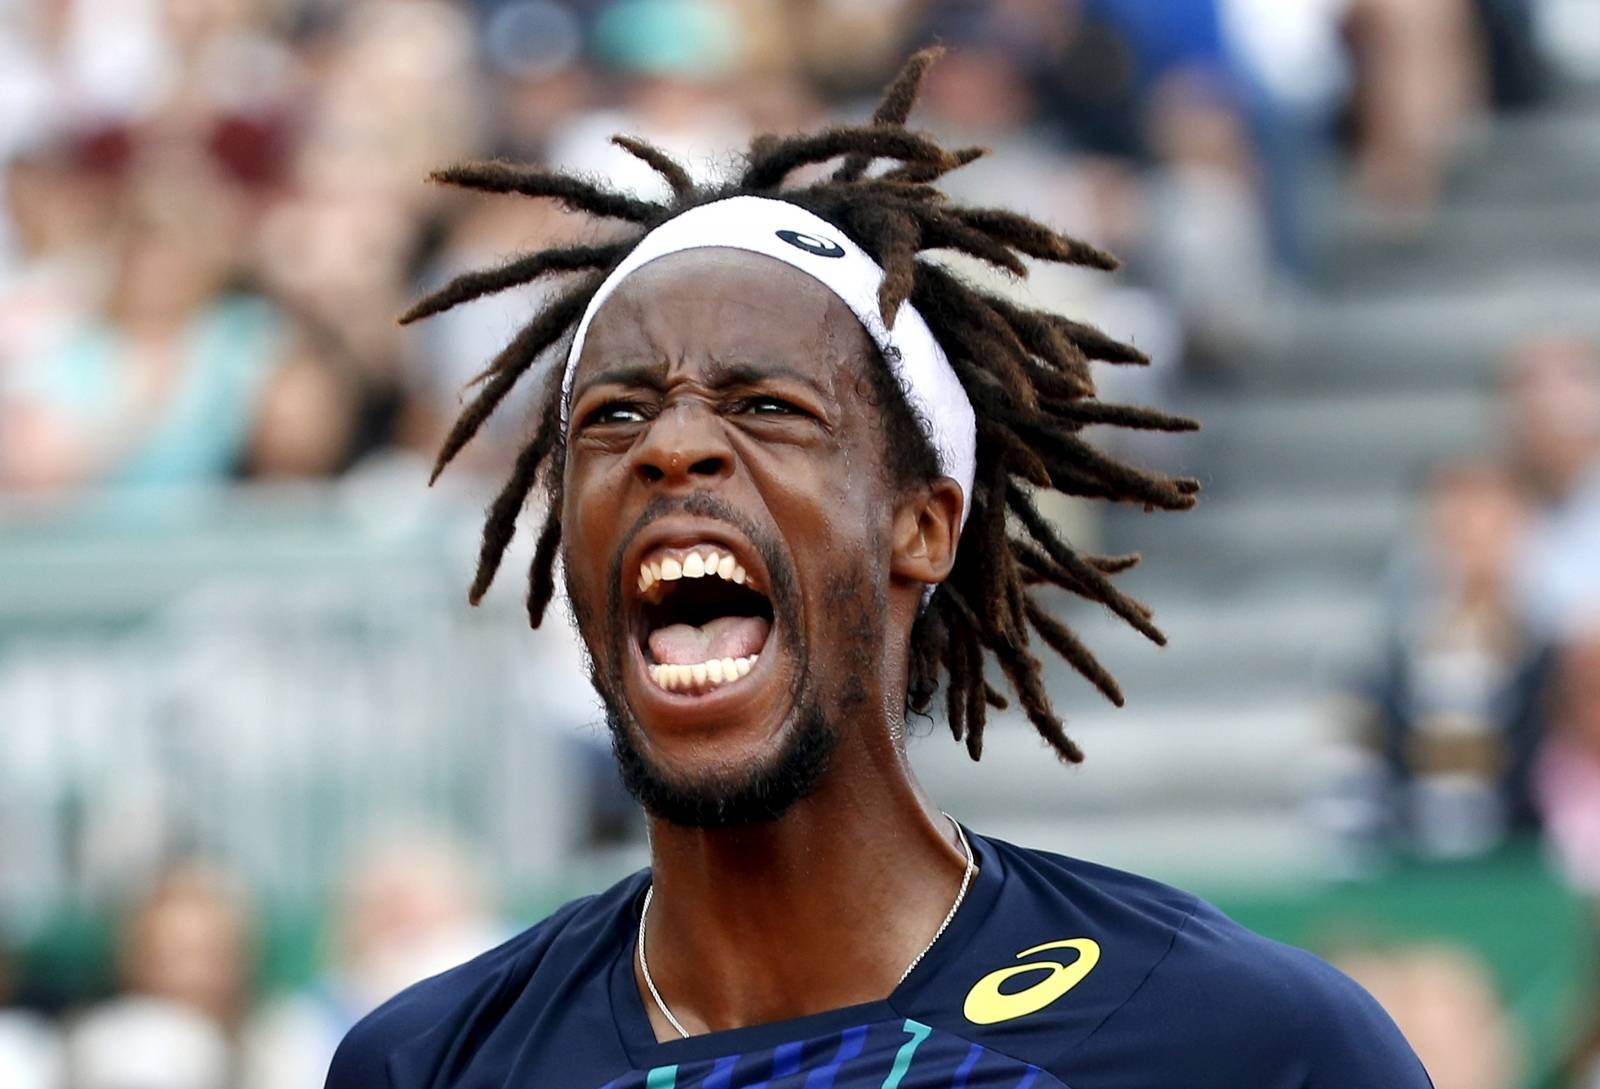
{"x":703,"y":621}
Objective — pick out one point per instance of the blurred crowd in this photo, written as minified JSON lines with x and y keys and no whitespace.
{"x":214,"y":209}
{"x":1479,"y":721}
{"x":1483,"y":714}
{"x":183,"y":1009}
{"x":211,"y":212}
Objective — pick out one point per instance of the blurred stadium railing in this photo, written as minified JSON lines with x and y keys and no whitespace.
{"x":267,"y":677}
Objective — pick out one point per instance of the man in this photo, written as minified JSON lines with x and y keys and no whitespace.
{"x":780,"y":456}
{"x":1550,"y":391}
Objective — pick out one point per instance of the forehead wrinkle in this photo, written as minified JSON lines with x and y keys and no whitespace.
{"x":645,"y":372}
{"x":646,"y":317}
{"x":626,"y":343}
{"x":736,"y":368}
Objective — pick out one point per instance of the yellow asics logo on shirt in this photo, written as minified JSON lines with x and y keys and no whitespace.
{"x":987,"y":1005}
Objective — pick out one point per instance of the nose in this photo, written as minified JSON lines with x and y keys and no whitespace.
{"x":684,"y":446}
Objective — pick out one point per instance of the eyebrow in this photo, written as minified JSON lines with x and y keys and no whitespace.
{"x":741,"y":372}
{"x":630,"y":374}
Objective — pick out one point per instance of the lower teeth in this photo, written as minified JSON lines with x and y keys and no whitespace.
{"x":702,"y":676}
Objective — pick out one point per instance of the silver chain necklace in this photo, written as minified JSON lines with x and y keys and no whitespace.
{"x":961,"y":894}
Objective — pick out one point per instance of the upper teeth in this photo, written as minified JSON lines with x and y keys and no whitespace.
{"x":697,"y":564}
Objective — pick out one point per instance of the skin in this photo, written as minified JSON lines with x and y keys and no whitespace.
{"x":730,"y":375}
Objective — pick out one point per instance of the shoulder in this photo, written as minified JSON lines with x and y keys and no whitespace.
{"x":1241,"y":975}
{"x":524,"y":976}
{"x":1184,"y":994}
{"x":1121,"y":905}
{"x":1258,"y":1010}
{"x":1305,"y":1018}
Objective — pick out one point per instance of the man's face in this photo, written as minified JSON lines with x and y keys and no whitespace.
{"x":726,"y":529}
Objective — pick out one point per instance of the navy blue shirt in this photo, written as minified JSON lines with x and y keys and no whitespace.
{"x":1055,"y":974}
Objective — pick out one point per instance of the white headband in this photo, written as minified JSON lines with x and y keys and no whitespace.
{"x":796,"y":237}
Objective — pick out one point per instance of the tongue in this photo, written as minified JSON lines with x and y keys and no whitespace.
{"x":724,"y":637}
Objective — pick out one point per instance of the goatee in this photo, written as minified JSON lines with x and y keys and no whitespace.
{"x":755,"y":796}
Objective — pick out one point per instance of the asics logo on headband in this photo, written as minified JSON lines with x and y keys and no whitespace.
{"x":821,"y":247}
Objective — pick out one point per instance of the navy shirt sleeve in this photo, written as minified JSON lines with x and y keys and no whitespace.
{"x":418,"y":1037}
{"x":1252,"y":1012}
{"x":1351,"y":1040}
{"x":361,"y":1059}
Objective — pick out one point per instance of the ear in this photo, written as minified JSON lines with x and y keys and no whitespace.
{"x":927,"y":527}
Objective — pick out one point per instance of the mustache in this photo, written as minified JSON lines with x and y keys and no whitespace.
{"x":605,"y":638}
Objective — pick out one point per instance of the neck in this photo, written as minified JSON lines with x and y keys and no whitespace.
{"x":820,"y":909}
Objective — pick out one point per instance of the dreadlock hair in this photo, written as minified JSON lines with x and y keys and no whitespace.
{"x":1025,"y":371}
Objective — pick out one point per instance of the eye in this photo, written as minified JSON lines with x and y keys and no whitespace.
{"x":767,"y":405}
{"x":615,"y":412}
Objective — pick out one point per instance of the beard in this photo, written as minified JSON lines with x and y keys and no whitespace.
{"x":754,"y":796}
{"x":760,"y":793}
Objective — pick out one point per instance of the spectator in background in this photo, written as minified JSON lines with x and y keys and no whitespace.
{"x":166,"y":383}
{"x":1551,"y":394}
{"x":60,"y":209}
{"x":188,"y":942}
{"x":1009,"y":86}
{"x":1132,"y":47}
{"x":843,"y":49}
{"x":338,"y":247}
{"x":145,"y":1043}
{"x":1569,"y":763}
{"x":1419,"y":81}
{"x":673,"y":64}
{"x":81,"y":64}
{"x":1455,"y":706}
{"x":534,"y":49}
{"x":1205,"y":211}
{"x":1294,"y":66}
{"x":1516,"y":72}
{"x":1570,"y":795}
{"x":410,"y":908}
{"x":186,"y":965}
{"x":980,"y":94}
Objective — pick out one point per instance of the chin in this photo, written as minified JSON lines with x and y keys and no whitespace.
{"x":728,"y":785}
{"x":701,"y":657}
{"x":704,"y":673}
